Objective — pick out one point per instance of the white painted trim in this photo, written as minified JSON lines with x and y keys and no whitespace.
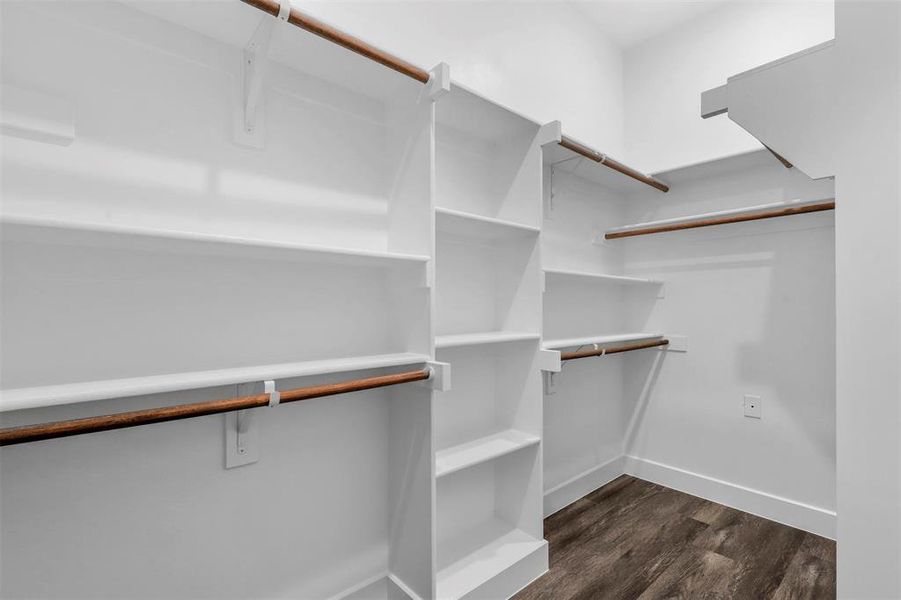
{"x":769,"y":506}
{"x":562,"y":495}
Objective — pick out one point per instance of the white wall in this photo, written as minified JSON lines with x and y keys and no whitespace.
{"x":664,"y":77}
{"x":542,"y":59}
{"x":868,"y":302}
{"x":756,"y":301}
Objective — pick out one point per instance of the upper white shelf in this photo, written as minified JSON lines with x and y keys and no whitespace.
{"x":54,"y":395}
{"x":601,"y":277}
{"x":482,"y":450}
{"x":456,"y":222}
{"x":481,"y":338}
{"x":599,"y":339}
{"x":38,"y":229}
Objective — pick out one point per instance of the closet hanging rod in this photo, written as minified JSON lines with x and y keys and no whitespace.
{"x":336,"y":36}
{"x":58,"y":429}
{"x":611,"y":350}
{"x":600,"y":157}
{"x":780,"y":209}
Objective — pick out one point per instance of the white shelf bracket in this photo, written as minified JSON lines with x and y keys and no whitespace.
{"x":250,"y":132}
{"x":677,"y":343}
{"x":439,"y":82}
{"x":550,"y":383}
{"x":549,"y":360}
{"x":242,"y":426}
{"x":440,"y":380}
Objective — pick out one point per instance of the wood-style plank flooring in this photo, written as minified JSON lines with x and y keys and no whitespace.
{"x":636,"y":540}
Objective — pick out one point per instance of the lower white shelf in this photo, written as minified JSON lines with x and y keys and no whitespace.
{"x":482,"y":450}
{"x":487,"y":337}
{"x":481,"y":554}
{"x":89,"y":391}
{"x":599,"y":339}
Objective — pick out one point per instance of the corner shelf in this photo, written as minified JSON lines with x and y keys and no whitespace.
{"x":39,"y":229}
{"x":90,"y":391}
{"x":556,"y":344}
{"x":481,"y":554}
{"x":601,"y":277}
{"x":457,"y":458}
{"x":471,"y":225}
{"x":481,"y":338}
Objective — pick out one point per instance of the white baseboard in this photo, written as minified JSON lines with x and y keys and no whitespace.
{"x":775,"y":508}
{"x":564,"y":494}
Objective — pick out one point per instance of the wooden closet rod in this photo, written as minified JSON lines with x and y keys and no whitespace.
{"x":611,"y":350}
{"x":346,"y":40}
{"x":599,"y":157}
{"x":723,"y":220}
{"x":58,"y":429}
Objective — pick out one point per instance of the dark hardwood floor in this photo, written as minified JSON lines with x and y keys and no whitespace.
{"x":636,"y":540}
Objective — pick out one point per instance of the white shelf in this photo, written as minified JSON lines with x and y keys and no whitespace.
{"x":599,"y":339}
{"x":478,"y":555}
{"x":734,"y":212}
{"x":457,"y":458}
{"x":601,"y":277}
{"x":487,"y":337}
{"x":457,"y":222}
{"x":53,"y":395}
{"x":39,"y":229}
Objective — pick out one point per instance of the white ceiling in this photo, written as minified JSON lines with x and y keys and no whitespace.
{"x":630,"y":22}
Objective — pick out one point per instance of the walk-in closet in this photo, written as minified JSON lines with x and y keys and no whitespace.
{"x":439,"y":300}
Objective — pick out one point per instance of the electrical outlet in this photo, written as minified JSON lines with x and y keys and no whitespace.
{"x":752,"y":406}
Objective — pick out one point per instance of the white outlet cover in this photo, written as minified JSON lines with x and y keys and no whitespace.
{"x":752,"y":406}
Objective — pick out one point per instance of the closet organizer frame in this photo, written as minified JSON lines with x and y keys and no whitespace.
{"x":502,"y":558}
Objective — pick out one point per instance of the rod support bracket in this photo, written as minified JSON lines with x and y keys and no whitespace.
{"x":249,"y":131}
{"x":440,"y":378}
{"x":549,"y":360}
{"x":439,"y":82}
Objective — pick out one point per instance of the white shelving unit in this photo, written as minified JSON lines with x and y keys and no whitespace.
{"x":488,"y":321}
{"x":366,"y":224}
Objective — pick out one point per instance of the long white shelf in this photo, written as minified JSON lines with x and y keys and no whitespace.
{"x":487,"y":337}
{"x":601,"y":277}
{"x":599,"y":339}
{"x":478,"y":555}
{"x":746,"y":210}
{"x":457,"y":458}
{"x":457,"y":222}
{"x":89,"y":391}
{"x":39,"y":229}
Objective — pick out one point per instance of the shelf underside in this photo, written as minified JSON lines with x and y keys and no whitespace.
{"x":482,"y":338}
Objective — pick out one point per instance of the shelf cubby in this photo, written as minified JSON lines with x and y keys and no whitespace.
{"x":486,"y":286}
{"x":489,"y":162}
{"x":496,"y":388}
{"x":488,"y":521}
